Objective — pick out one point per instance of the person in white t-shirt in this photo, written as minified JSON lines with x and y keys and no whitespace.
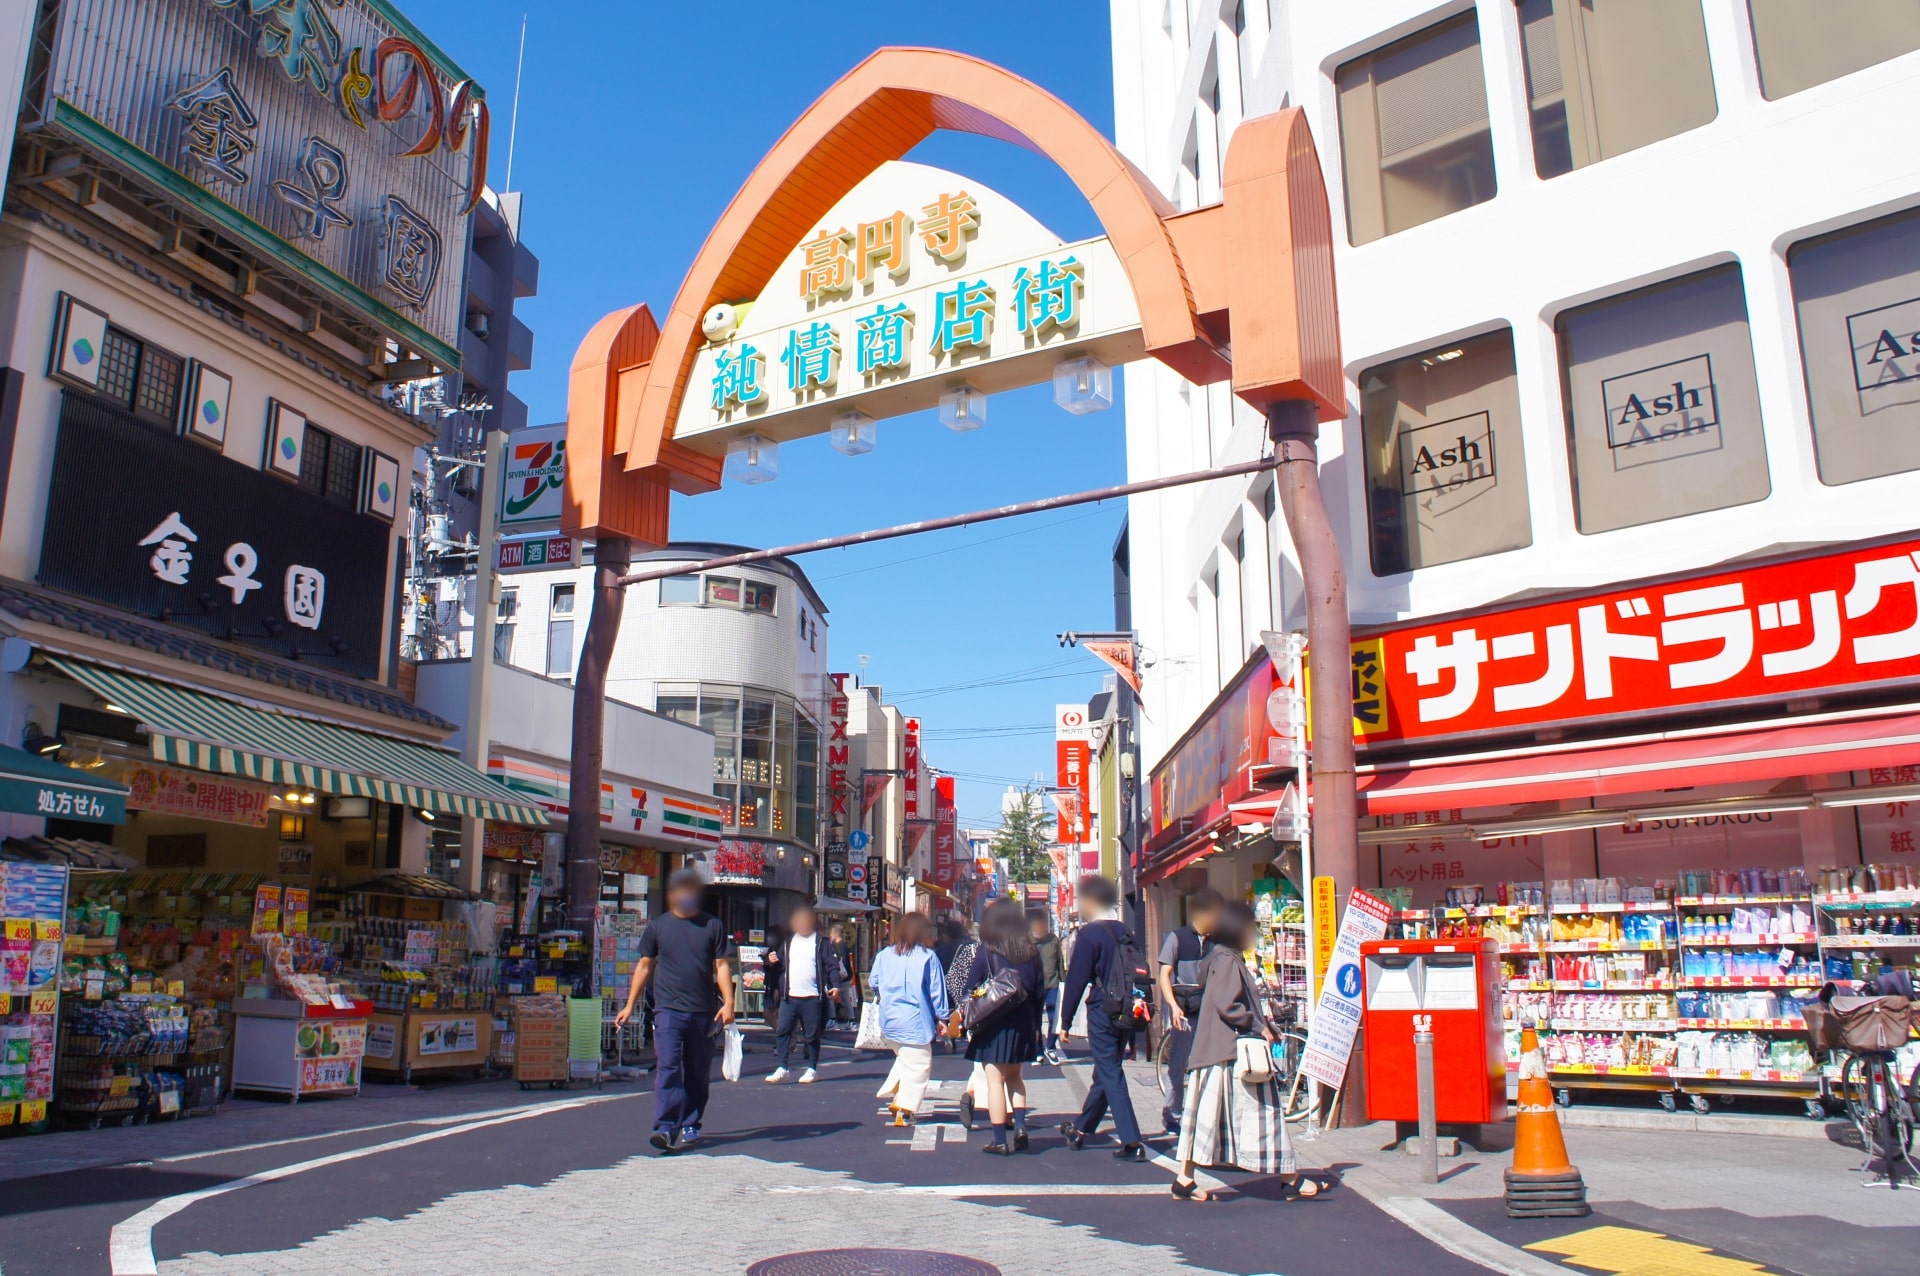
{"x":810,"y":974}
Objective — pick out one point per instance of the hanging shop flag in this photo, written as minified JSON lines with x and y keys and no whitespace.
{"x":872,"y":785}
{"x":946,"y":869}
{"x":1336,"y":1015}
{"x":1073,"y":754}
{"x":1069,"y":805}
{"x":1123,"y":656}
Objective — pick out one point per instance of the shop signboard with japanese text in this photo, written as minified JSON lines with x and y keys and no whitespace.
{"x":197,"y":795}
{"x":910,"y":768}
{"x":329,"y":136}
{"x":1073,"y":758}
{"x":1337,"y":1010}
{"x":156,"y":525}
{"x":1214,"y":764}
{"x":916,"y":279}
{"x":1812,"y":625}
{"x":946,"y":869}
{"x":536,"y":471}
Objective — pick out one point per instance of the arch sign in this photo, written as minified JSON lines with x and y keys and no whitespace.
{"x":844,"y":285}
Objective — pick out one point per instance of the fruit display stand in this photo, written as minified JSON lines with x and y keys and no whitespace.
{"x":283,"y":1046}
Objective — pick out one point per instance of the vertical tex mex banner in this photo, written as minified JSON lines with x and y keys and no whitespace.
{"x":1336,"y":1015}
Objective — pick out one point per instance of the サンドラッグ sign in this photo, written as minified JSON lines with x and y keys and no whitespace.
{"x":917,"y":281}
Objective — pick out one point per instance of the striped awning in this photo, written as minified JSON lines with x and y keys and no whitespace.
{"x":199,"y":729}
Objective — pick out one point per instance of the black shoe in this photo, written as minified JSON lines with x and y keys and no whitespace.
{"x":1130,"y":1152}
{"x":1020,"y":1140}
{"x":664,"y":1141}
{"x":1076,"y":1139}
{"x":997,"y":1149}
{"x":967,"y":1110}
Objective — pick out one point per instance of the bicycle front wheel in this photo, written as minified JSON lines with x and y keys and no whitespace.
{"x":1295,"y":1089}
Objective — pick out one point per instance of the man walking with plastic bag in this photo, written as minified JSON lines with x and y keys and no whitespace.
{"x":693,"y":998}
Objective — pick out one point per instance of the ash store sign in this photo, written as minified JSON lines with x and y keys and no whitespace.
{"x":151,"y":523}
{"x":1660,"y":413}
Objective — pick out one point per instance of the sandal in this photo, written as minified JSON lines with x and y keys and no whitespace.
{"x":1303,"y":1187}
{"x":1190,"y":1191}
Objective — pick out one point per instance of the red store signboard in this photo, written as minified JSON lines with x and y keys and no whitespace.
{"x":1214,"y":765}
{"x":910,"y":765}
{"x":838,"y":785}
{"x":1843,"y":620}
{"x":945,"y":872}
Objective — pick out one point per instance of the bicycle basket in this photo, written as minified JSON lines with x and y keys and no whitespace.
{"x":1823,"y":1033}
{"x":1872,"y":1023}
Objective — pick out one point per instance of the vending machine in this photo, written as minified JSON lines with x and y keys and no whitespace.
{"x":1451,"y":988}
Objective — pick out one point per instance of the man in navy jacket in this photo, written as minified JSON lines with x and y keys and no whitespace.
{"x":1095,"y":949}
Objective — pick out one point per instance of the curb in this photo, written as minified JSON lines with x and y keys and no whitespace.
{"x":1776,"y":1127}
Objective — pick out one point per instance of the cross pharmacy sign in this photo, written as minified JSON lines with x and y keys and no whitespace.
{"x":917,"y":281}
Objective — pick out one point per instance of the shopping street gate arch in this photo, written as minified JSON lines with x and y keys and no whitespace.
{"x":1238,"y":291}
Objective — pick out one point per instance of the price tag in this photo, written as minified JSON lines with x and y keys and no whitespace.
{"x":176,"y":988}
{"x":17,"y":928}
{"x":545,"y":983}
{"x":120,"y":1086}
{"x":33,"y":1112}
{"x":49,"y":930}
{"x":44,"y":1002}
{"x":6,"y":1113}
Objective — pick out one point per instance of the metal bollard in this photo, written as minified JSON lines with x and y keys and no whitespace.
{"x":1429,"y":1122}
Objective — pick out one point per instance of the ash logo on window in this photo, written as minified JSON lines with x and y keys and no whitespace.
{"x":1662,"y":413}
{"x":1448,"y":464}
{"x":1886,"y":355}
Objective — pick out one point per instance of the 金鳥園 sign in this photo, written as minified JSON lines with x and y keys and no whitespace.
{"x":917,"y":279}
{"x":330,"y":135}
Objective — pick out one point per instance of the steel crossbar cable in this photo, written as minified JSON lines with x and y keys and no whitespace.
{"x":1096,"y":495}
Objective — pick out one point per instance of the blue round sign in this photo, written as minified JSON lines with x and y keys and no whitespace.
{"x":858,"y":839}
{"x":1347,"y":980}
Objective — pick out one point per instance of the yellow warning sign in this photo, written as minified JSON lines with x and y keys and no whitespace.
{"x":1628,"y":1251}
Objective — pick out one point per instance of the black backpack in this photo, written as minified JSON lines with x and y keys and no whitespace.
{"x":1121,"y":997}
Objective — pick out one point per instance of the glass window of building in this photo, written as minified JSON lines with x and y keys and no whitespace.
{"x":1446,"y":468}
{"x":806,"y":781}
{"x":1801,"y":43}
{"x":680,"y":589}
{"x":682,"y":704}
{"x":1604,"y":79}
{"x":1663,"y":415}
{"x":560,"y":633}
{"x":765,"y":755}
{"x":1413,"y":130}
{"x":760,"y":597}
{"x":1857,"y":295}
{"x":119,"y":366}
{"x":723,"y":591}
{"x":503,"y":625}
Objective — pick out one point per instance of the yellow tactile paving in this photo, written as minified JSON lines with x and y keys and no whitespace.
{"x":1628,"y":1251}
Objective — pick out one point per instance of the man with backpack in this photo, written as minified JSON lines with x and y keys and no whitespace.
{"x":1106,"y":966}
{"x":1183,"y":955}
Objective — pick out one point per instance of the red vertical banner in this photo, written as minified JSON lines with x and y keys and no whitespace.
{"x":910,"y":764}
{"x":1073,"y":753}
{"x":945,"y":871}
{"x":839,"y":782}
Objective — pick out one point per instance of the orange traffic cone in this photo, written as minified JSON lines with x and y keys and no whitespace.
{"x":1542,"y":1182}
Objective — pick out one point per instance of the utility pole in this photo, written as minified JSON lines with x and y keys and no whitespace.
{"x":611,"y":557}
{"x":486,"y":589}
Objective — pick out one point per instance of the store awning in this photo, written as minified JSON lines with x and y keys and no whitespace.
{"x":1667,"y":762}
{"x":34,"y":785}
{"x":197,"y":729}
{"x":830,"y":904}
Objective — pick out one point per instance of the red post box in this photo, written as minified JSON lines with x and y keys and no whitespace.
{"x":1451,"y":988}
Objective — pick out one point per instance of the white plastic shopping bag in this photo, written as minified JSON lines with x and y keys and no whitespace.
{"x":736,"y":1048}
{"x":870,"y":1037}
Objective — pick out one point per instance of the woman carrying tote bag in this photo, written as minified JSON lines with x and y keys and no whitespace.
{"x":1233,"y":1107}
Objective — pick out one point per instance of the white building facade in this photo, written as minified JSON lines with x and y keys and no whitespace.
{"x":741,"y":652}
{"x":1628,"y":293}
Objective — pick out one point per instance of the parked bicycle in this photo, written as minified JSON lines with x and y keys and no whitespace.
{"x":1867,"y":1030}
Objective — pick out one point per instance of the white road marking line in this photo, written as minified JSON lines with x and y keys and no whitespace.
{"x":357,"y":1129}
{"x":130,"y":1248}
{"x":985,"y":1189}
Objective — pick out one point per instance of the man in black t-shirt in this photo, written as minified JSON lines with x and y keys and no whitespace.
{"x":1183,"y":955}
{"x":684,"y":954}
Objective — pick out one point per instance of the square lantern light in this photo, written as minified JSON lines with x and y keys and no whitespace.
{"x":963,"y":408}
{"x":853,"y":433}
{"x":1083,"y":385}
{"x":753,"y":459}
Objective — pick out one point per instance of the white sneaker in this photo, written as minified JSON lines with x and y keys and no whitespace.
{"x":806,"y":1078}
{"x":776,"y":1076}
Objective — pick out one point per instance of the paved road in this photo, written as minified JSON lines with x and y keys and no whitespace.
{"x":495,"y":1180}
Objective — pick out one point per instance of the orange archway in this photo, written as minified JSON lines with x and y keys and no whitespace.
{"x":630,"y":373}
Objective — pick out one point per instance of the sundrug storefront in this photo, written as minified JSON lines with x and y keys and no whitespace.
{"x":1679,"y":805}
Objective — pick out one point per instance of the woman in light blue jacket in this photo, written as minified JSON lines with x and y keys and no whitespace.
{"x":912,"y":990}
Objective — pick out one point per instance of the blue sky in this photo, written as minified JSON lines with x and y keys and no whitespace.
{"x":637,"y":125}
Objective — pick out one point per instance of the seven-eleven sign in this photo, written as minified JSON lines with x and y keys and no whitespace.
{"x":535,"y":471}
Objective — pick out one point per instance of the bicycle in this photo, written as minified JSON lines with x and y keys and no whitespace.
{"x":1289,"y":1046}
{"x":1882,"y":1111}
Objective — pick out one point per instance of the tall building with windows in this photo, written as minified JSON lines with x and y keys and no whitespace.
{"x":1628,"y":302}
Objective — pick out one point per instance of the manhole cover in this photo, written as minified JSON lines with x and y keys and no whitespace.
{"x":872,"y":1262}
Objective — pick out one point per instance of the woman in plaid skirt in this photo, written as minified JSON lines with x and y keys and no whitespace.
{"x":1232,"y":1122}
